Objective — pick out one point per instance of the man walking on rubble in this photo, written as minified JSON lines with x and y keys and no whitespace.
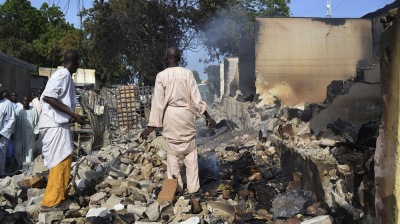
{"x":7,"y":120}
{"x":176,"y":103}
{"x":58,"y":110}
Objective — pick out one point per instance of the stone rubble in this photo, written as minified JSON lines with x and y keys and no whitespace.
{"x":278,"y":171}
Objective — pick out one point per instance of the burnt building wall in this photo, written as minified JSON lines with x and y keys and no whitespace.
{"x":247,"y":76}
{"x":231,"y":76}
{"x":214,"y":82}
{"x":296,"y":58}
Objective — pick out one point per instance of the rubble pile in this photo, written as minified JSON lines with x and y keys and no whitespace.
{"x":277,"y":170}
{"x":240,"y":178}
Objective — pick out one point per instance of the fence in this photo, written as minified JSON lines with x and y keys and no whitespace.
{"x":125,"y":106}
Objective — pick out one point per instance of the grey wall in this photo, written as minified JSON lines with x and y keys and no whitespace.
{"x":15,"y":75}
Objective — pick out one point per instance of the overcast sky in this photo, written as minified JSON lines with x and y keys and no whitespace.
{"x":298,"y":8}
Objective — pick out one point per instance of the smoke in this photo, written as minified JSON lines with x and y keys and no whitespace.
{"x":223,"y":33}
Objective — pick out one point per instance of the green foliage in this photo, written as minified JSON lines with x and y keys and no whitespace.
{"x":135,"y":34}
{"x":122,"y":34}
{"x":38,"y":36}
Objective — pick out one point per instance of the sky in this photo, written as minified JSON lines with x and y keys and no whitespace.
{"x":298,"y":8}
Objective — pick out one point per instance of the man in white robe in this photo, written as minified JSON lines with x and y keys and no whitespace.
{"x":58,"y":110}
{"x":36,"y":102}
{"x":13,"y":97}
{"x":7,"y":120}
{"x":175,"y":106}
{"x":24,"y":137}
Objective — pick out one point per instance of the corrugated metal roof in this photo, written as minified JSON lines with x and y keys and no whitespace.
{"x":16,"y":61}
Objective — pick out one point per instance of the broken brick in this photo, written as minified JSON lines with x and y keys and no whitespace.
{"x":168,"y":190}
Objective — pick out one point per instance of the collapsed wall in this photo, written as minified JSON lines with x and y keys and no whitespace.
{"x":311,"y":53}
{"x":231,"y":76}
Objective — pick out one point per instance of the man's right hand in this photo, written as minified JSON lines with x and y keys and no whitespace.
{"x":79,"y":119}
{"x":146,"y":132}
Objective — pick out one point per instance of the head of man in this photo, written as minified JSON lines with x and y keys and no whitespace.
{"x":25,"y":102}
{"x":39,"y":92}
{"x":32,"y":95}
{"x":14,"y":97}
{"x":71,"y":61}
{"x":6,"y":94}
{"x":172,"y":57}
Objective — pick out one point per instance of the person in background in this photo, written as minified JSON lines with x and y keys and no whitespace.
{"x":26,"y":121}
{"x":58,"y":102}
{"x":36,"y":104}
{"x":36,"y":101}
{"x":7,"y":120}
{"x":14,"y":99}
{"x":175,"y":106}
{"x":32,"y":96}
{"x":6,"y":94}
{"x":11,"y":162}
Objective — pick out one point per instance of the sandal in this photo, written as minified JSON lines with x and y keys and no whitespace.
{"x":62,"y":206}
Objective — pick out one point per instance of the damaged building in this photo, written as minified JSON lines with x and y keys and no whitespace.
{"x":306,"y":131}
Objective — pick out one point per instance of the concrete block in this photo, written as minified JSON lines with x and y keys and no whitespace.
{"x":38,"y":167}
{"x":168,"y":190}
{"x":33,"y":204}
{"x":50,"y":217}
{"x":324,"y":219}
{"x":112,"y":201}
{"x":153,"y":212}
{"x":119,"y":207}
{"x":192,"y":220}
{"x":136,"y":210}
{"x":97,"y":197}
{"x":5,"y":181}
{"x":97,"y":212}
{"x":224,"y":211}
{"x":34,"y":192}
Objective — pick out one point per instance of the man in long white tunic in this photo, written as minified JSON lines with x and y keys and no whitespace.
{"x":175,"y":106}
{"x":7,"y":120}
{"x":36,"y":101}
{"x":24,"y":137}
{"x":13,"y":97}
{"x":58,"y":110}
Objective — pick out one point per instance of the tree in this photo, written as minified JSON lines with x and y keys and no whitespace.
{"x":20,"y":24}
{"x":37,"y":36}
{"x":104,"y":46}
{"x":135,"y":34}
{"x":57,"y":37}
{"x":196,"y":76}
